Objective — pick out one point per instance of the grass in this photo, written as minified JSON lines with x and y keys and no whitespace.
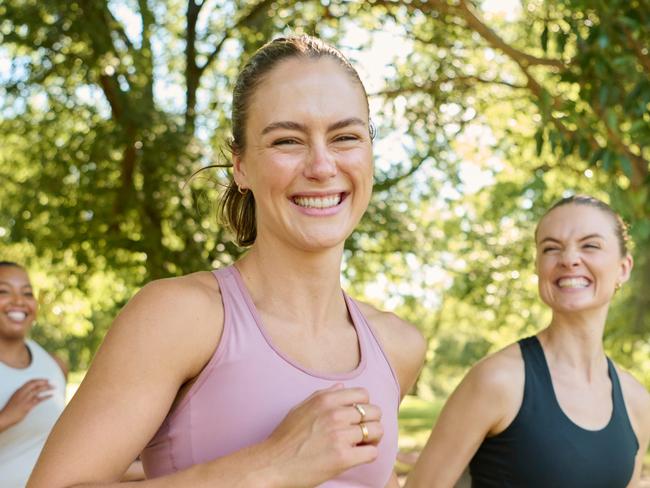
{"x":416,"y":417}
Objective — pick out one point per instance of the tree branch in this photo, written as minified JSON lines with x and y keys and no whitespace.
{"x":643,"y":58}
{"x":389,"y":182}
{"x":256,"y":9}
{"x":192,"y":71}
{"x":522,"y":59}
{"x":431,"y":86}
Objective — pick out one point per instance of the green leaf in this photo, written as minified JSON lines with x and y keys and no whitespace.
{"x":626,"y":165}
{"x":583,"y":148}
{"x":609,"y":159}
{"x":539,"y":141}
{"x":561,"y":39}
{"x":603,"y":41}
{"x":612,"y":119}
{"x":603,"y":94}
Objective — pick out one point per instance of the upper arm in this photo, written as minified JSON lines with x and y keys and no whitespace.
{"x":486,"y":399}
{"x":637,"y":401}
{"x":402,"y":342}
{"x":162,"y":338}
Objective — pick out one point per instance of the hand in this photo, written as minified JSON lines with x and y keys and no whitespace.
{"x":323,"y":436}
{"x":23,"y":400}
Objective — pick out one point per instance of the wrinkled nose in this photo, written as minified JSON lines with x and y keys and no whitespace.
{"x":570,"y":258}
{"x":321,"y":164}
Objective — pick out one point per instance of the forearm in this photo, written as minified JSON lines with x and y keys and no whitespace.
{"x":5,"y":421}
{"x":247,"y":468}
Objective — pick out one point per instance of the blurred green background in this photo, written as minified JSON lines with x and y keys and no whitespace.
{"x":487,"y":112}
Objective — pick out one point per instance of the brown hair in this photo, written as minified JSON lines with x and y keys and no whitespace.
{"x":620,"y":227}
{"x":237,"y":209}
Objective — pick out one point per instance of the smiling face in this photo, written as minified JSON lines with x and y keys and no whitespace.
{"x":308,"y":159}
{"x":18,"y":305}
{"x":579,"y":262}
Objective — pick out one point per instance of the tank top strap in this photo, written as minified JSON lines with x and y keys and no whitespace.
{"x":617,"y":392}
{"x":619,"y":415}
{"x":533,"y":355}
{"x":369,"y":343}
{"x":538,"y":386}
{"x":237,"y":304}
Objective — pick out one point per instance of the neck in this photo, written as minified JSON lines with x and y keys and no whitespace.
{"x":14,"y":353}
{"x":576,"y":341}
{"x":298,"y":286}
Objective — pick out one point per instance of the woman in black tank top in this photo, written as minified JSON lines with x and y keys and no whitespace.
{"x":552,"y":410}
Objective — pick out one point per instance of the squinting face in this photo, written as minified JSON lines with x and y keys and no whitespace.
{"x":578,"y":259}
{"x":308,"y":159}
{"x":18,"y":305}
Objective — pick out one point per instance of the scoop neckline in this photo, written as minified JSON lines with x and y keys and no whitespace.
{"x":354,"y":317}
{"x":31,"y":359}
{"x":547,"y":372}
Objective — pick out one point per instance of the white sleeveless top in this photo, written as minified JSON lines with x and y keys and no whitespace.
{"x":21,"y":443}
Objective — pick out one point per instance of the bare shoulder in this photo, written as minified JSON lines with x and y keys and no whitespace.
{"x":392,"y":329}
{"x":402,"y":341}
{"x":182,"y":314}
{"x":637,"y":399}
{"x":499,"y":371}
{"x":498,"y":381}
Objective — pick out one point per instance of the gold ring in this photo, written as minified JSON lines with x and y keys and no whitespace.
{"x":361,"y":411}
{"x":364,"y":432}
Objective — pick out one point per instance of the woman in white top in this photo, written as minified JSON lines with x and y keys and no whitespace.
{"x":32,"y":390}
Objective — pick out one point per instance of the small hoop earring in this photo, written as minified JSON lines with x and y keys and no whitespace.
{"x":619,"y":285}
{"x":242,"y":191}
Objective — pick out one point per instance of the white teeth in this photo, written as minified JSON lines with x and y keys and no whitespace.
{"x":17,"y":316}
{"x":318,"y":202}
{"x":573,"y":283}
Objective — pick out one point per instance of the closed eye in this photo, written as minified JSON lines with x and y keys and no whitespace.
{"x":285,"y":142}
{"x":591,"y":246}
{"x":346,"y":138}
{"x":549,"y":249}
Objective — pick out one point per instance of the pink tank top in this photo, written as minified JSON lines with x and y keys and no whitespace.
{"x":249,"y":386}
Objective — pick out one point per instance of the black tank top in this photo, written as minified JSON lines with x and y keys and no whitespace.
{"x":543,"y":448}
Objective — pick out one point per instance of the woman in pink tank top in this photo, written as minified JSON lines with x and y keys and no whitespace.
{"x":264,"y":373}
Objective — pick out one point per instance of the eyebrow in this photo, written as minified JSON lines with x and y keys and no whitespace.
{"x":590,"y":236}
{"x":3,"y":282}
{"x":286,"y":124}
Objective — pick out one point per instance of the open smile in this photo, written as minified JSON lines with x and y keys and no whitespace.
{"x":573,"y":282}
{"x":319,"y":202}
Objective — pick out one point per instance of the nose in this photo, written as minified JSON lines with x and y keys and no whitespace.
{"x":17,"y":298}
{"x":570,"y":258}
{"x":321,"y":164}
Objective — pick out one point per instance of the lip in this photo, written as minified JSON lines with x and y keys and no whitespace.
{"x":319,"y":194}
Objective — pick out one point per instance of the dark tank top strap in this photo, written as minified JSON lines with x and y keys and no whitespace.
{"x":620,"y":417}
